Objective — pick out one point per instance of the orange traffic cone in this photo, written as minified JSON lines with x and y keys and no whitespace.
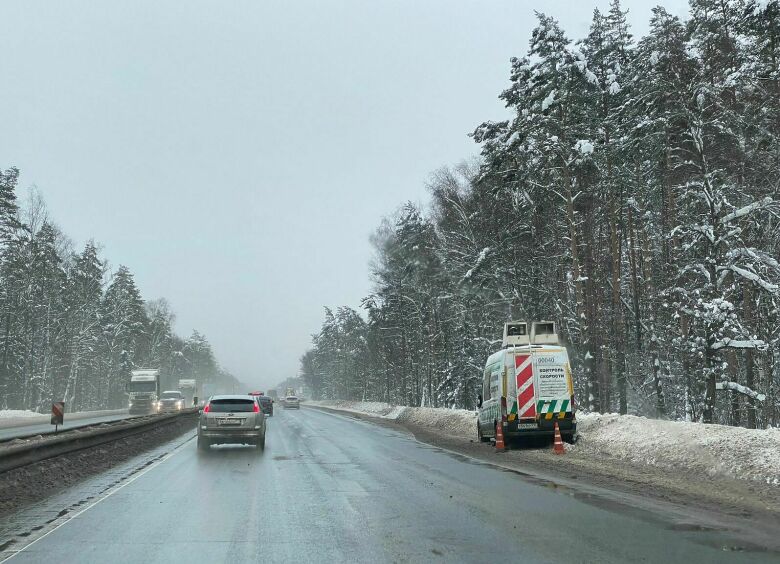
{"x":500,"y":446}
{"x":558,"y":444}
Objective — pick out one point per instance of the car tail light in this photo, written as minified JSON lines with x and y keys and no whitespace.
{"x":256,"y":408}
{"x":207,"y":408}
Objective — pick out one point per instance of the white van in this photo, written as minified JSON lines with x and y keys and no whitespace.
{"x":527,"y":386}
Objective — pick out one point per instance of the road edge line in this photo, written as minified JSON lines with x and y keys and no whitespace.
{"x":106,"y":496}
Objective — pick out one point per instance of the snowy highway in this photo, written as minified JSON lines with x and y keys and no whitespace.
{"x":330,"y":488}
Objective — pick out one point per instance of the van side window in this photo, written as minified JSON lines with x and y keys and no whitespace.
{"x":486,"y":384}
{"x":495,"y":384}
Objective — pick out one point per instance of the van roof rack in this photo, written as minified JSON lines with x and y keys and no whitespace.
{"x":540,"y":333}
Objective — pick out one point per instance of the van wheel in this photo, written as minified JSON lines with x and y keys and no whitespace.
{"x":260,"y":444}
{"x":482,"y":438}
{"x":203,"y":444}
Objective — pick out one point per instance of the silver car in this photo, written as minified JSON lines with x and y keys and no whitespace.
{"x":292,"y":402}
{"x":233,"y":419}
{"x":172,"y":400}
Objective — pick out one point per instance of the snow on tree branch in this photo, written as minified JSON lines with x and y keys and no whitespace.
{"x":744,"y":390}
{"x":746,"y":210}
{"x":737,"y":344}
{"x":768,"y":286}
{"x":480,"y":259}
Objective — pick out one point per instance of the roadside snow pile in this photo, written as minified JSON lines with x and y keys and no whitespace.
{"x":453,"y":422}
{"x":693,"y":448}
{"x":374,"y":408}
{"x":17,"y":413}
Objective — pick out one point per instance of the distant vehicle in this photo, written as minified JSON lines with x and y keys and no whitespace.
{"x":172,"y":400}
{"x":266,"y":404}
{"x":189,"y":389}
{"x":290,"y":392}
{"x":231,"y":419}
{"x":292,"y":402}
{"x":144,"y":391}
{"x":527,"y":386}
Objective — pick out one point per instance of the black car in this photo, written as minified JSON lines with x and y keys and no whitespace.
{"x":266,"y":404}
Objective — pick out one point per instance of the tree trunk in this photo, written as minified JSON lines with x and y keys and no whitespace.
{"x":582,"y":318}
{"x":618,"y":364}
{"x":736,"y":416}
{"x":750,"y":379}
{"x":709,"y":372}
{"x":690,"y":413}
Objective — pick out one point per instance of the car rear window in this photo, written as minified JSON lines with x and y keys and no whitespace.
{"x":264,"y":400}
{"x":231,"y":405}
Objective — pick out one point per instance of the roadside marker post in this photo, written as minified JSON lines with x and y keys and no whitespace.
{"x":57,"y":414}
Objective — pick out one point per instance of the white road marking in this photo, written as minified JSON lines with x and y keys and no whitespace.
{"x":106,"y":496}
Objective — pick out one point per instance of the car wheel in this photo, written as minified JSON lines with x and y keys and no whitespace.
{"x":260,"y":444}
{"x":203,"y":444}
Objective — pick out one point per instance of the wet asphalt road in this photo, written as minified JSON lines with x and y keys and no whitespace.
{"x":42,"y":425}
{"x":333,"y":489}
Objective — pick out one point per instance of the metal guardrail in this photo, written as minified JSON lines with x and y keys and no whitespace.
{"x":71,"y":427}
{"x":35,"y":450}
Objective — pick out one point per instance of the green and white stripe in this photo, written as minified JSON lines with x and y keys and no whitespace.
{"x":548,"y":408}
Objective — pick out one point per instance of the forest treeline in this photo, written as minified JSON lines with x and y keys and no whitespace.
{"x":631,"y":196}
{"x":71,"y":329}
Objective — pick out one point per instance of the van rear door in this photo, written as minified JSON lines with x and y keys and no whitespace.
{"x":553,"y":382}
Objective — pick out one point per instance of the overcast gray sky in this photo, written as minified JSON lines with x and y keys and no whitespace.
{"x":236,"y":156}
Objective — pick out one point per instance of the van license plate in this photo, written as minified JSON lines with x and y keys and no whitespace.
{"x":527,"y":426}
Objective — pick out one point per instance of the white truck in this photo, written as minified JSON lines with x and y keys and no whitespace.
{"x":527,"y":385}
{"x":144,"y":391}
{"x":189,"y":389}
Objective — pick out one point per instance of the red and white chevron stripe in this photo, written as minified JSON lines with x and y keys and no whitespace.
{"x":524,"y":373}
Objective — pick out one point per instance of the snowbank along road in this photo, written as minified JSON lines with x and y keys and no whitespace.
{"x":11,"y":427}
{"x":329,"y":488}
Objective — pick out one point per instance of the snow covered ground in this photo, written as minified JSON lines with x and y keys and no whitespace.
{"x":692,"y":448}
{"x":704,"y":450}
{"x":17,"y":413}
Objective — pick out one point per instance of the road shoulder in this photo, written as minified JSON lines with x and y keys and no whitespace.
{"x":692,"y":501}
